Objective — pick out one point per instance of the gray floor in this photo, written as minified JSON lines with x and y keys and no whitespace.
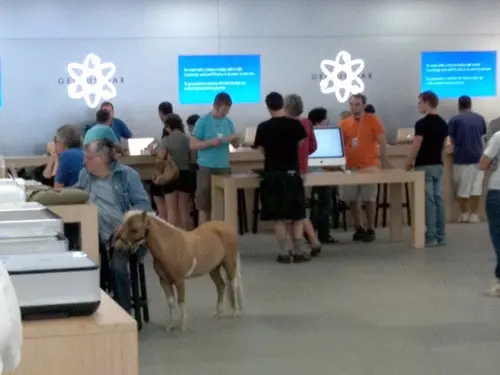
{"x":358,"y":310}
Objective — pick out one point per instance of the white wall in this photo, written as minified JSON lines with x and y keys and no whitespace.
{"x":144,"y":37}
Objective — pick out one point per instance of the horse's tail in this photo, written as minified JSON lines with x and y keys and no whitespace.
{"x":235,"y":287}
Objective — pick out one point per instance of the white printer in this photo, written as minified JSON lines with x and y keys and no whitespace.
{"x":28,"y":220}
{"x":29,"y":227}
{"x":48,"y":279}
{"x":57,"y":284}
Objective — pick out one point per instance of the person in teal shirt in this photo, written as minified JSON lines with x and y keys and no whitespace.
{"x":102,"y":130}
{"x":211,"y":137}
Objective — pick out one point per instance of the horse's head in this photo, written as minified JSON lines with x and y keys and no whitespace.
{"x":133,"y":232}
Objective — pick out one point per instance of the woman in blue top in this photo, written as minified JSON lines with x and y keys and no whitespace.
{"x":68,"y":147}
{"x":211,"y":137}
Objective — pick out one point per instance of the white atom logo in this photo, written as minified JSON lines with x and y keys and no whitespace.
{"x":342,"y":76}
{"x":92,"y":80}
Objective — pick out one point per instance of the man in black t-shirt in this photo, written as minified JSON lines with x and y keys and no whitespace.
{"x":427,"y":156}
{"x":282,"y":189}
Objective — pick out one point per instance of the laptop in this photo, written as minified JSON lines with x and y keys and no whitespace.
{"x":136,"y":146}
{"x":405,"y":135}
{"x":249,"y":138}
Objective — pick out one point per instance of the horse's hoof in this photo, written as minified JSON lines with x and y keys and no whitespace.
{"x":169,"y":328}
{"x":236,"y":314}
{"x":183,"y":328}
{"x":218,"y":311}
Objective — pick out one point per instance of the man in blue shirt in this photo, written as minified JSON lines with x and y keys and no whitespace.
{"x":115,"y":189}
{"x":466,"y":131}
{"x":68,"y":145}
{"x":121,"y":130}
{"x":211,"y":137}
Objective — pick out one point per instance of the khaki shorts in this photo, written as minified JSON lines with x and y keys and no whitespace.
{"x":468,"y":180}
{"x":203,"y":196}
{"x":353,"y":193}
{"x":363,"y":193}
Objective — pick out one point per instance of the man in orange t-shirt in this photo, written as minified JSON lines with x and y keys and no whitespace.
{"x":365,"y":148}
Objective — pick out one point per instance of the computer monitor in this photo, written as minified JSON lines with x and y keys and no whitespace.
{"x":330,"y":151}
{"x":137,"y":145}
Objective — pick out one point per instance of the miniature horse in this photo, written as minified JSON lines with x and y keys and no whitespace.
{"x":179,"y":255}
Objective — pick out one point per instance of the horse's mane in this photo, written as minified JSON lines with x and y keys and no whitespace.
{"x":133,"y":213}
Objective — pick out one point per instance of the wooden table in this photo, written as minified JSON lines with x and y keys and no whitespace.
{"x":143,"y":164}
{"x":224,"y":195}
{"x":245,"y":159}
{"x":86,"y":216}
{"x":102,"y":344}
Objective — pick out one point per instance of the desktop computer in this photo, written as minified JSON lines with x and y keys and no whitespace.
{"x":330,"y":150}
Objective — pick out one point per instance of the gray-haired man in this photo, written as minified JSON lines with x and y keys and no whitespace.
{"x":115,"y":189}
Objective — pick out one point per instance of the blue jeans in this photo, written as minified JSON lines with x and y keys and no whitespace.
{"x":435,"y":220}
{"x":493,"y":213}
{"x":119,"y":266}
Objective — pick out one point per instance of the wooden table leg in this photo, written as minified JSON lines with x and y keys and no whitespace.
{"x":418,"y":211}
{"x":396,"y":207}
{"x":89,"y":234}
{"x":230,"y":203}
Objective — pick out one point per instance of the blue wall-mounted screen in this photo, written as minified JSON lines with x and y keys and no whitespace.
{"x":457,"y":73}
{"x":0,"y":83}
{"x":204,"y":76}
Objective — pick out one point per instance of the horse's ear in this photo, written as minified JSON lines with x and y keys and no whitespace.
{"x":144,"y":216}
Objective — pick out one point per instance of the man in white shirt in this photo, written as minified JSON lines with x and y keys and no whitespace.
{"x":489,"y":161}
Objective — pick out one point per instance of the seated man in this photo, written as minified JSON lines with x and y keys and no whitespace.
{"x":68,"y":159}
{"x":102,"y":130}
{"x":120,"y":129}
{"x":68,"y":147}
{"x":115,"y":189}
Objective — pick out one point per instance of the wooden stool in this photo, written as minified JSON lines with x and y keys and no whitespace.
{"x":342,"y":208}
{"x":339,"y":209}
{"x":383,"y":203}
{"x":139,"y":291}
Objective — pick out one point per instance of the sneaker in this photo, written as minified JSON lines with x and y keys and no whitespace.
{"x":431,"y":243}
{"x":464,"y":217}
{"x":282,"y":258}
{"x":474,"y":219}
{"x":301,"y":258}
{"x":358,"y":234}
{"x":494,"y":290}
{"x":327,"y":239}
{"x":315,"y":250}
{"x":442,"y":242}
{"x":369,"y":236}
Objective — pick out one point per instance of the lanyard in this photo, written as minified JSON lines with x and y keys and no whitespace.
{"x":217,"y":127}
{"x":359,"y":123}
